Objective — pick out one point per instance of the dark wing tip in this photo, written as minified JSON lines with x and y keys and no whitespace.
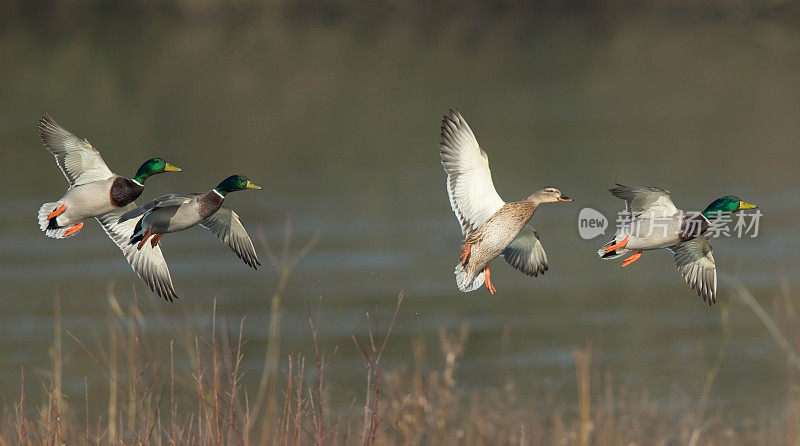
{"x":167,"y":293}
{"x":46,"y":126}
{"x":46,"y":120}
{"x":454,"y":117}
{"x":445,"y":121}
{"x":707,"y":298}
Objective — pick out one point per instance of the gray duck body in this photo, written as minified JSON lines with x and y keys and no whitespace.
{"x":654,"y":232}
{"x":94,"y":199}
{"x":656,"y":223}
{"x":177,"y":212}
{"x":187,"y":211}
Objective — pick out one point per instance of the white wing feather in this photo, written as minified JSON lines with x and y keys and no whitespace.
{"x":76,"y":158}
{"x":695,"y":261}
{"x":148,"y":262}
{"x":228,"y":228}
{"x":469,"y":180}
{"x":639,"y":200}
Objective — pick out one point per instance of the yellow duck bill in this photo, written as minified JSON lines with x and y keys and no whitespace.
{"x":743,"y":205}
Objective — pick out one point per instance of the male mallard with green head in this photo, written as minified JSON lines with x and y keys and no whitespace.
{"x":491,"y":226}
{"x":653,"y":222}
{"x":95,"y":191}
{"x":177,"y":212}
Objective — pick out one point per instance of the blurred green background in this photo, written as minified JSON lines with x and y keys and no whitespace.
{"x":335,"y":107}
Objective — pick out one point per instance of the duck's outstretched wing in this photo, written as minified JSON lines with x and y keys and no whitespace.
{"x":78,"y":160}
{"x":162,"y":201}
{"x":148,"y":262}
{"x":469,"y":180}
{"x":695,"y":261}
{"x":228,"y":228}
{"x":526,"y":253}
{"x":639,"y":200}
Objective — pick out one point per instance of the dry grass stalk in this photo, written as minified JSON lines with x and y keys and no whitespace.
{"x":371,"y":354}
{"x":265,"y":396}
{"x":402,"y":405}
{"x":583,"y":361}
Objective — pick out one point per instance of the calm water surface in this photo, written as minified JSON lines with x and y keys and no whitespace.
{"x":340,"y":124}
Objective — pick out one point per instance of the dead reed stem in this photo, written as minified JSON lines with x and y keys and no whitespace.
{"x":21,"y":408}
{"x":583,"y":360}
{"x":712,"y":376}
{"x":371,"y":356}
{"x":265,"y":396}
{"x":768,"y":322}
{"x":403,"y":404}
{"x":58,"y":401}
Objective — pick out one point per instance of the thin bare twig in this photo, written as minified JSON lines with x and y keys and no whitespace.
{"x":372,"y":359}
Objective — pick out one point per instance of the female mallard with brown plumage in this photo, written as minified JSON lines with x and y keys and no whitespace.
{"x":491,"y":226}
{"x":653,"y":222}
{"x":177,"y":212}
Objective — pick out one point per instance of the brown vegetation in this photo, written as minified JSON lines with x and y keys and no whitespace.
{"x":150,"y":400}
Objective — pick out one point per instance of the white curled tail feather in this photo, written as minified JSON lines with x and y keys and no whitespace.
{"x":44,"y":211}
{"x":44,"y":222}
{"x":465,"y":282}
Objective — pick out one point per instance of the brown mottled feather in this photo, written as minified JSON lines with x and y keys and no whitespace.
{"x":489,"y":241}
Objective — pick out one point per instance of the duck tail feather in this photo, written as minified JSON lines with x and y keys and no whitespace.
{"x":59,"y":232}
{"x":465,"y":282}
{"x":611,"y":254}
{"x":48,"y":224}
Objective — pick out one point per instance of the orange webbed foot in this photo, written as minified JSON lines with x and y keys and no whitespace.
{"x":73,"y":229}
{"x":155,"y":239}
{"x":632,"y":259}
{"x":465,"y":254}
{"x":619,"y":245}
{"x":59,"y":210}
{"x":487,"y":280}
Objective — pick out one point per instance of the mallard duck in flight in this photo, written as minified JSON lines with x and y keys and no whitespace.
{"x":655,"y":223}
{"x":178,"y":212}
{"x":491,"y":226}
{"x":93,"y":189}
{"x":96,"y":192}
